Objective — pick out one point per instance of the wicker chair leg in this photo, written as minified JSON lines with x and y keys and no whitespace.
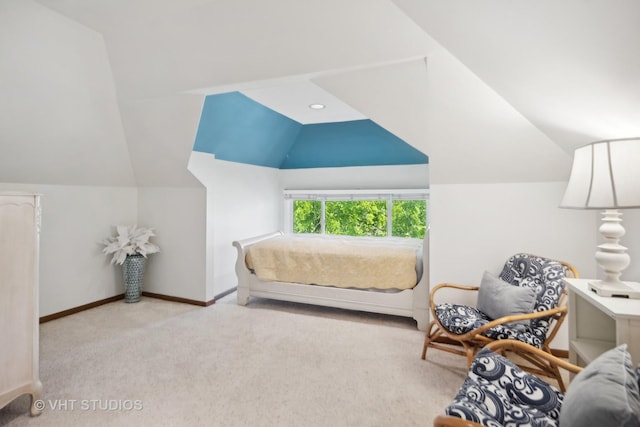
{"x":470,"y":354}
{"x":428,"y":336}
{"x":558,"y":377}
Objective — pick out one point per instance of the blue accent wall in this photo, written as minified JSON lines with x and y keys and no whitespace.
{"x":238,"y":129}
{"x":352,"y":143}
{"x":235,"y":128}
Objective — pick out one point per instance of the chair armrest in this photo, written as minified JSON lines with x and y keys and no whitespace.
{"x":454,"y":286}
{"x":519,"y":347}
{"x":441,"y":286}
{"x":526,"y":316}
{"x":514,"y":317}
{"x":447,"y":421}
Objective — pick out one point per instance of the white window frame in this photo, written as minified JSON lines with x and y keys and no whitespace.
{"x":390,"y":195}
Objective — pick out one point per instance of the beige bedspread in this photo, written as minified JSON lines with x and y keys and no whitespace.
{"x":342,"y":262}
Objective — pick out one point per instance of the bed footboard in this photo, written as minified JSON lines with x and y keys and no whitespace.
{"x":245,"y":277}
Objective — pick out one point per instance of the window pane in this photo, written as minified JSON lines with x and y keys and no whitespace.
{"x":409,"y":218}
{"x":306,"y":216}
{"x":356,"y":218}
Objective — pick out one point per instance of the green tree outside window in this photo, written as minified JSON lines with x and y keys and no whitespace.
{"x":361,"y":217}
{"x":356,"y":218}
{"x":307,"y":216}
{"x":409,"y":218}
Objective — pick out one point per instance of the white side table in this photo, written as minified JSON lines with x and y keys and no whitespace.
{"x":597,"y":324}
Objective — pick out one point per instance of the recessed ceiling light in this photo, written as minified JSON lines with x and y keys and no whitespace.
{"x":317,"y":106}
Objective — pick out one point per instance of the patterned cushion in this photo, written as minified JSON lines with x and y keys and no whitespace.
{"x":497,"y":393}
{"x":460,"y":319}
{"x":542,"y":274}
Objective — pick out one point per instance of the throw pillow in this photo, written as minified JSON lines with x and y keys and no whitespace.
{"x":497,"y":298}
{"x":604,"y":394}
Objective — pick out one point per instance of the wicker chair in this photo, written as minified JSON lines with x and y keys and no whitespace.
{"x":498,"y":393}
{"x":464,"y":330}
{"x":495,"y":387}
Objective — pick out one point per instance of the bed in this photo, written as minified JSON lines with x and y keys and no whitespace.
{"x":365,"y":274}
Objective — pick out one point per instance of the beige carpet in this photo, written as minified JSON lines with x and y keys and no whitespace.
{"x":158,"y":363}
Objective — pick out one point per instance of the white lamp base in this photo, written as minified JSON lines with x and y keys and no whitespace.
{"x":617,"y":289}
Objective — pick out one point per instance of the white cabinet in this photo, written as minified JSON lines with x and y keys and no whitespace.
{"x":597,"y":324}
{"x":19,"y":246}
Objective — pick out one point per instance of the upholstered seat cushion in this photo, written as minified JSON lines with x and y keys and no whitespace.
{"x":498,"y":393}
{"x":460,"y":319}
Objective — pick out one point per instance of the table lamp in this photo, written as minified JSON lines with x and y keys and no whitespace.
{"x":606,"y":175}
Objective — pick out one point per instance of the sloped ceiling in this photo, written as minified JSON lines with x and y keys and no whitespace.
{"x":160,"y":47}
{"x":173,"y":49}
{"x":236,"y":128}
{"x":508,"y":90}
{"x":59,"y":117}
{"x":571,"y":67}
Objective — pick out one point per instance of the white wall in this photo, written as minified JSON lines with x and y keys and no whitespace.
{"x":371,"y":177}
{"x":178,"y":215}
{"x":631,"y":223}
{"x":242,"y":201}
{"x":160,"y":135}
{"x":59,"y":117}
{"x":75,"y":219}
{"x":476,"y":227}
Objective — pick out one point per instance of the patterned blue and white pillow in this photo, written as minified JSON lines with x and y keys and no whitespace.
{"x":542,"y":274}
{"x":496,"y":393}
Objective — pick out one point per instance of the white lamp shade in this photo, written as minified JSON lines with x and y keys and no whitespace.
{"x":605,"y":175}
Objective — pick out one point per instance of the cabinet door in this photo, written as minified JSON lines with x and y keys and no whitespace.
{"x":18,"y":301}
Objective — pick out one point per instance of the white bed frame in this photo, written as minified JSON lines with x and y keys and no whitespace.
{"x":408,"y":303}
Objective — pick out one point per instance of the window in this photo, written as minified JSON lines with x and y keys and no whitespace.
{"x":380,"y":213}
{"x":307,"y":216}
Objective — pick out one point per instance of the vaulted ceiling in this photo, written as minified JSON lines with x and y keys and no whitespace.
{"x":491,"y":91}
{"x":572,"y":68}
{"x":236,"y":128}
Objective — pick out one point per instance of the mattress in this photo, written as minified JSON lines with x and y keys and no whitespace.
{"x":364,"y":263}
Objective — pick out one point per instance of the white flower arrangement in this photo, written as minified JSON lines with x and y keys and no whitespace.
{"x":130,"y":240}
